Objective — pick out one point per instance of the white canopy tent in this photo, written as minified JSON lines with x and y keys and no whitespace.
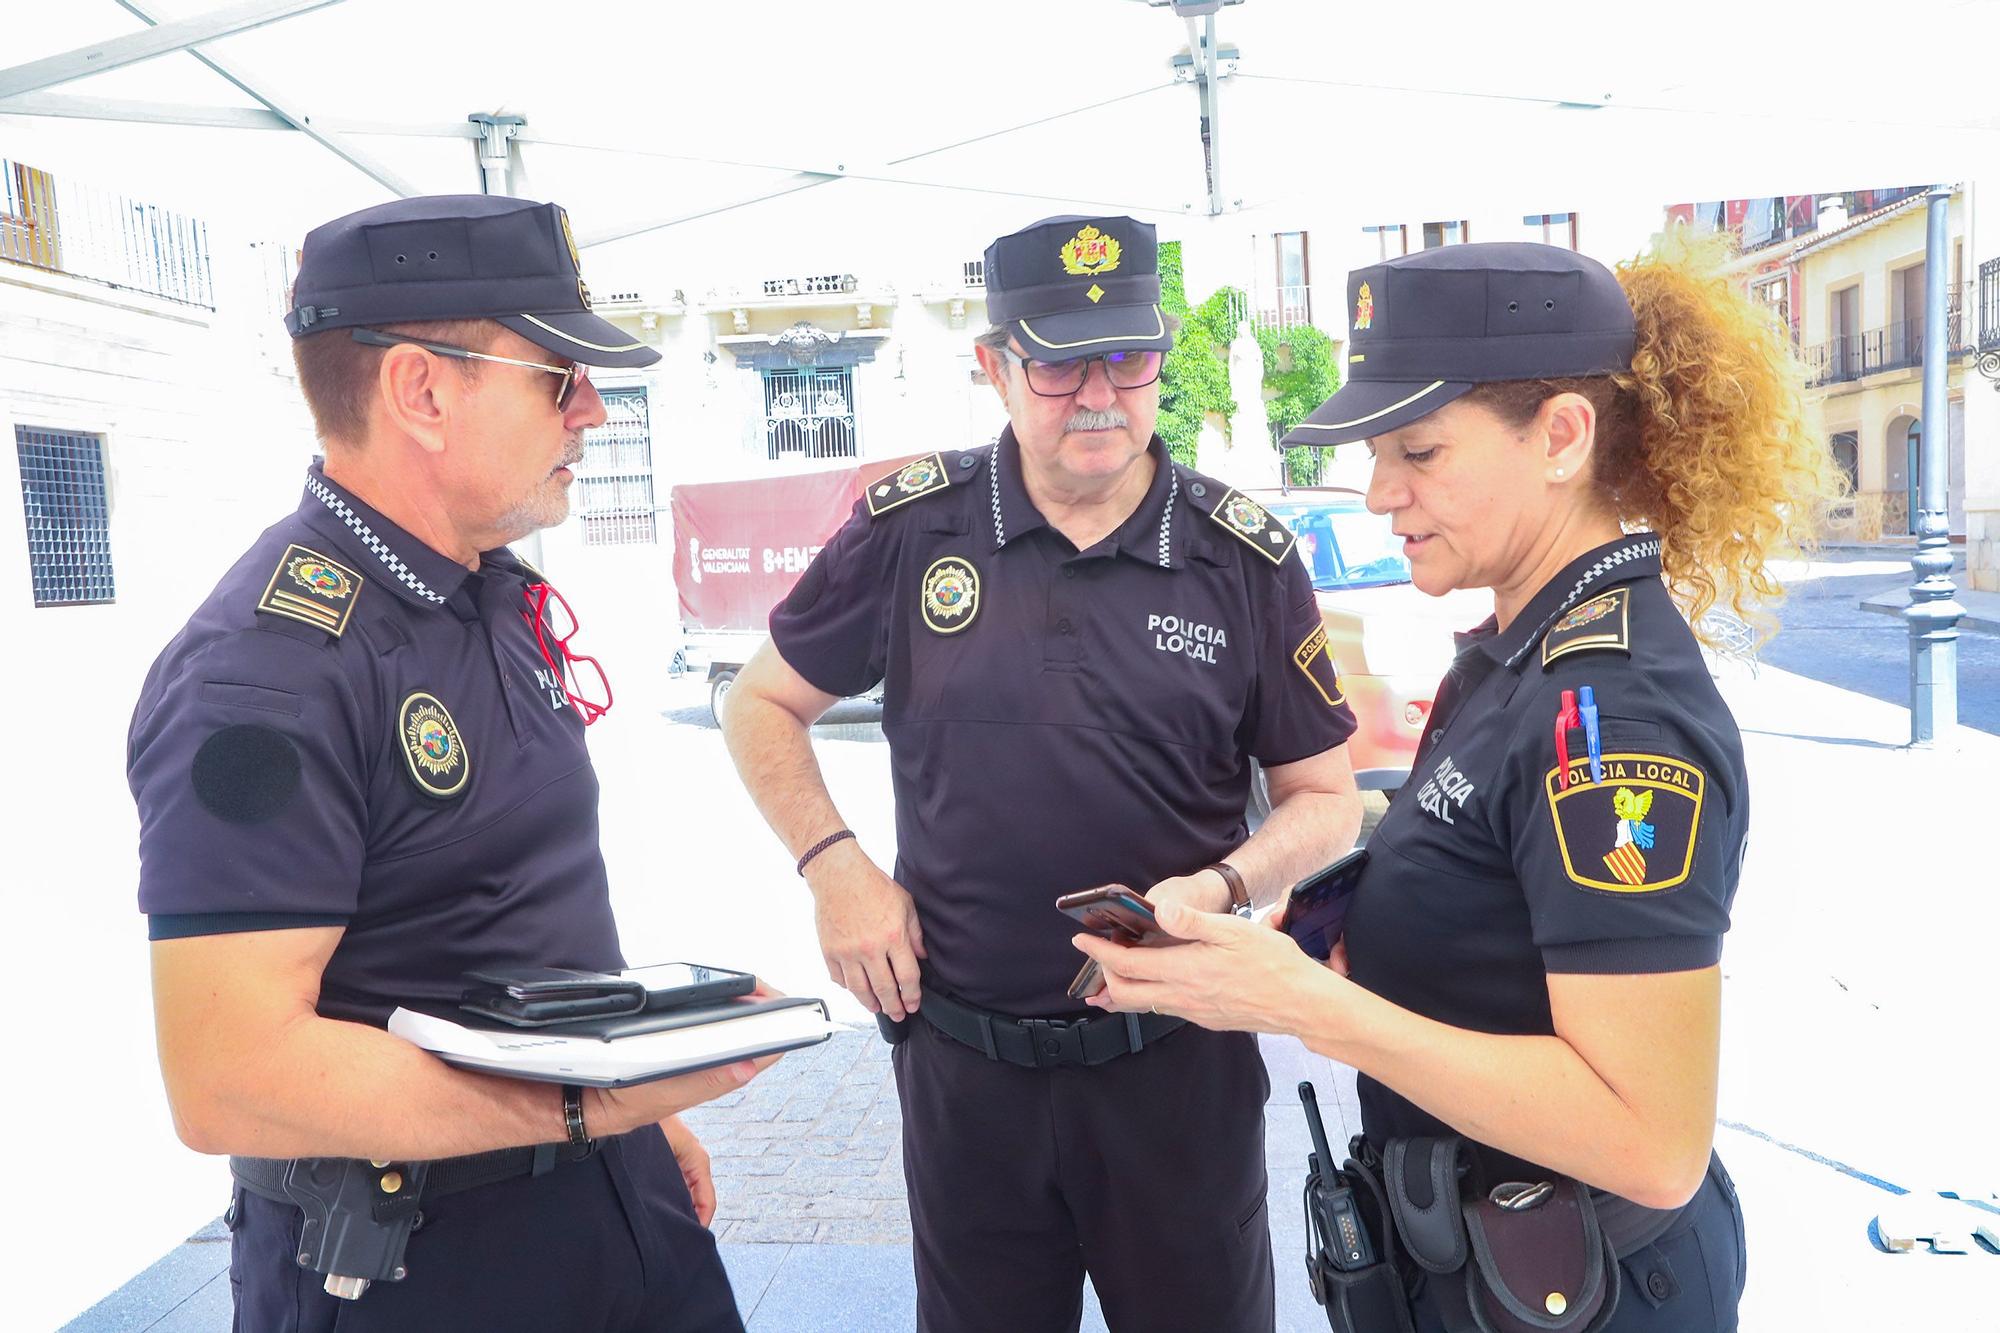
{"x":677,"y":132}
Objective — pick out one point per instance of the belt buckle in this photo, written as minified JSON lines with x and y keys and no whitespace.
{"x":1054,"y":1041}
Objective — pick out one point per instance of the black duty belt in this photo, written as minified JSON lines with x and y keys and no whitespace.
{"x":448,"y":1175}
{"x":1045,"y":1043}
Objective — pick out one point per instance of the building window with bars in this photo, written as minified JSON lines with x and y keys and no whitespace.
{"x":68,"y":509}
{"x":809,"y":412}
{"x":614,"y":485}
{"x":1552,"y":228}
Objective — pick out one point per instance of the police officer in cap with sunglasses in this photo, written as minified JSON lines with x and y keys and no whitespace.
{"x":360,"y":773}
{"x":1082,"y":645}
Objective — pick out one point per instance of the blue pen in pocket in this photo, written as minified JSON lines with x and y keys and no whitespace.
{"x":1586,"y":707}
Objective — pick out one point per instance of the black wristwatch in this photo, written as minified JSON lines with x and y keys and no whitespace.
{"x":573,"y":1116}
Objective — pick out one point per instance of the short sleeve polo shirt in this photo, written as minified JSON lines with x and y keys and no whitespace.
{"x":1060,"y":719}
{"x":1507,"y":857}
{"x":356,"y":731}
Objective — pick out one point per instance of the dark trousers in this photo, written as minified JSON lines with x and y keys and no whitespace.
{"x":1687,"y":1281}
{"x":1147,"y":1173}
{"x":607,"y":1243}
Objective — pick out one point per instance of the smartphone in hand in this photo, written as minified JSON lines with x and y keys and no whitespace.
{"x":1316,"y":911}
{"x":1113,"y":912}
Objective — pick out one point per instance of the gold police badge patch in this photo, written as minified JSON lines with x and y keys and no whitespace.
{"x":1253,"y":525}
{"x":1090,"y":251}
{"x":432,"y":747}
{"x":1601,"y":622}
{"x":951,"y":595}
{"x":923,"y":477}
{"x":1633,"y":832}
{"x":312,"y":588}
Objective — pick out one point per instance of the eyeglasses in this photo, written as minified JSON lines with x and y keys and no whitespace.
{"x":549,"y":613}
{"x":1059,"y":379}
{"x":574,"y":375}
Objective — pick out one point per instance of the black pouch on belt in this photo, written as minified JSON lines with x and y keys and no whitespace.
{"x":1520,"y":1258}
{"x":892,"y":1032}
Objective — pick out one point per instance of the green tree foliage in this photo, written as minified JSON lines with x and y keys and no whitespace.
{"x":1195,"y":379}
{"x":1300,"y":367}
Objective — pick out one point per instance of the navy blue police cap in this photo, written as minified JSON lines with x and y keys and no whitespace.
{"x":1070,"y":287}
{"x":457,"y":256}
{"x":1429,"y":327}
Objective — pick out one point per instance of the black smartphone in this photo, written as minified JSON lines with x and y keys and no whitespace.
{"x":676,"y":985}
{"x":1114,"y":912}
{"x":534,"y":996}
{"x":1316,"y":912}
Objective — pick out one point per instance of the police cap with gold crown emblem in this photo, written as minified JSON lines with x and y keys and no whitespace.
{"x":1071,"y":287}
{"x":458,"y":256}
{"x":1428,"y":327}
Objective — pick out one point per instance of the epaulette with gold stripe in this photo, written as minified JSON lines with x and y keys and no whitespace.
{"x":1253,"y":525}
{"x":913,"y":481}
{"x":1601,"y":622}
{"x":313,"y":588}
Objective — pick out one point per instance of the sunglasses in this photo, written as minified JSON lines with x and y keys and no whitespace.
{"x":574,"y":375}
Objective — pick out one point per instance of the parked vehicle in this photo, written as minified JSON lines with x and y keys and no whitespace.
{"x":1391,"y":643}
{"x":739,"y":546}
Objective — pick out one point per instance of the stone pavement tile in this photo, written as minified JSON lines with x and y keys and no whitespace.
{"x":860,"y":1231}
{"x":209,"y":1310}
{"x":824,"y":1287}
{"x":750,"y":1269}
{"x":837,"y":1124}
{"x":869,"y":1187}
{"x":788,"y":1231}
{"x":162,"y":1288}
{"x":764,"y":1164}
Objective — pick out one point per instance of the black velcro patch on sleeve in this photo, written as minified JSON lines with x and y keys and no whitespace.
{"x":806,"y":591}
{"x":246,"y":773}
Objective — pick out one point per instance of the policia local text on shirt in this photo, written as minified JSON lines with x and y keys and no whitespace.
{"x":1047,"y":734}
{"x":361,"y":773}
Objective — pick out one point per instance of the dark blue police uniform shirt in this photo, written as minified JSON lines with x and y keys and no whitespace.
{"x":1489,"y":871}
{"x":354,"y":730}
{"x":1060,"y":719}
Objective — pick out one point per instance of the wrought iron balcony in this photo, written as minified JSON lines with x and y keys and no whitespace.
{"x":1897,"y":346}
{"x":60,"y":226}
{"x":1989,"y":306}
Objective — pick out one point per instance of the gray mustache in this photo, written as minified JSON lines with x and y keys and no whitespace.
{"x":1109,"y":419}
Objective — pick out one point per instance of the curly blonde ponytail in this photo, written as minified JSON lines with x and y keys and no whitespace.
{"x":1707,"y":439}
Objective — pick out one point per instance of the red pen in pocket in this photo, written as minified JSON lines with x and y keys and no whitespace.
{"x":1566,"y":717}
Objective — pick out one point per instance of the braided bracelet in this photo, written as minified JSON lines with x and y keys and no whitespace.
{"x":821,"y":846}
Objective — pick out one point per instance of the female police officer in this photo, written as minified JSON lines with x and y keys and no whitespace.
{"x":1534,"y":940}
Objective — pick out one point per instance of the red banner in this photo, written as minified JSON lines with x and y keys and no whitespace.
{"x":739,"y":546}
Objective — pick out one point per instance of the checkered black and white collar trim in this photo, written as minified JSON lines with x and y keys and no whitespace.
{"x":1635,"y":554}
{"x":1165,"y":553}
{"x":394,"y":564}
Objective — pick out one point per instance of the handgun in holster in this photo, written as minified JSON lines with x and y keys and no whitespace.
{"x":358,"y":1218}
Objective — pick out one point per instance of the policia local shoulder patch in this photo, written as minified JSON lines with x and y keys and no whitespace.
{"x":1633,"y":832}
